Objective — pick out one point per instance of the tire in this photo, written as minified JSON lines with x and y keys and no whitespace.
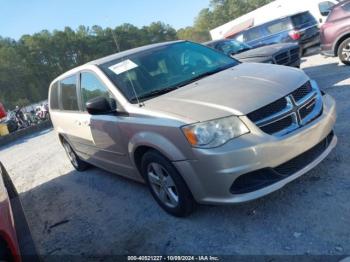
{"x":75,"y":160}
{"x":344,"y":52}
{"x":166,"y":185}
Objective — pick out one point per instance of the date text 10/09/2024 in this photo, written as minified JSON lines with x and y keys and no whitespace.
{"x":173,"y":258}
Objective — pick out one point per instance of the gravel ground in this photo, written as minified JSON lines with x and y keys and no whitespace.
{"x":96,"y":213}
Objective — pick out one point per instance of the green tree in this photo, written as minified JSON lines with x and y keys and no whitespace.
{"x":27,"y":66}
{"x":190,"y":33}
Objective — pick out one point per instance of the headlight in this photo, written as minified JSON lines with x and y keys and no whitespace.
{"x":268,"y":62}
{"x":214,"y":133}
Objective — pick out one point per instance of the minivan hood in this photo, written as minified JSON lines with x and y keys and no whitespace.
{"x":265,"y":51}
{"x":235,"y":91}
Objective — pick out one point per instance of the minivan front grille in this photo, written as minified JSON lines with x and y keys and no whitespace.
{"x":307,"y":109}
{"x":287,"y":58}
{"x":302,"y":91}
{"x":290,"y":112}
{"x":268,"y":110}
{"x":279,"y":125}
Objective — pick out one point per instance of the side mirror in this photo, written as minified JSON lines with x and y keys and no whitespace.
{"x":101,"y":105}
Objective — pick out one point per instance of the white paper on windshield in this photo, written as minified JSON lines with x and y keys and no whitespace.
{"x":122,"y":67}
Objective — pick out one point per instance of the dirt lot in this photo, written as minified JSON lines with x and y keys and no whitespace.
{"x":96,"y":213}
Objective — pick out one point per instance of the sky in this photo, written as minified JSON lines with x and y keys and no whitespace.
{"x":19,"y":17}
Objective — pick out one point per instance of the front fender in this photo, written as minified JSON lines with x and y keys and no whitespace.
{"x":159,"y":143}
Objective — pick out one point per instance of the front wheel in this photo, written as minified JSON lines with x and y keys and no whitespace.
{"x":167,"y":186}
{"x":344,"y":52}
{"x":77,"y":163}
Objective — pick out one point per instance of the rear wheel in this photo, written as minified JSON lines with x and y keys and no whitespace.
{"x":344,"y":52}
{"x":77,"y":163}
{"x":166,"y":185}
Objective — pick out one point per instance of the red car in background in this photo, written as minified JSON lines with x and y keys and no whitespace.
{"x":16,"y":243}
{"x":335,"y":33}
{"x":2,"y":111}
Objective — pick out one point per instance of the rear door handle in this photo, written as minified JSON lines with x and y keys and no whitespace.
{"x":78,"y":122}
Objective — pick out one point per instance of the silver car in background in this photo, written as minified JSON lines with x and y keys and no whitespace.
{"x":194,"y":124}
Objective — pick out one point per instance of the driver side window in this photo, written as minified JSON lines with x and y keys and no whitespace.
{"x":92,"y":87}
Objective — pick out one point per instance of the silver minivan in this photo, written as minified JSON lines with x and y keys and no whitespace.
{"x":195,"y":125}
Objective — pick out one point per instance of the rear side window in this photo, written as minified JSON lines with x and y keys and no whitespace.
{"x":279,"y":26}
{"x":92,"y":87}
{"x":253,"y":34}
{"x":54,"y":96}
{"x":303,"y":19}
{"x":69,"y":94}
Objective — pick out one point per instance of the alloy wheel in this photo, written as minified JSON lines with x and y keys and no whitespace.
{"x":163,"y":184}
{"x":346,"y":52}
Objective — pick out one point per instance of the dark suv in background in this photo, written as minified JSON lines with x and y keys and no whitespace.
{"x":301,"y":28}
{"x":281,"y":54}
{"x":335,"y":33}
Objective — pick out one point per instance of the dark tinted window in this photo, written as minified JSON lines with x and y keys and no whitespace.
{"x":54,"y":97}
{"x":252,"y":34}
{"x":92,"y":87}
{"x":303,"y":19}
{"x":69,"y":94}
{"x":279,"y":26}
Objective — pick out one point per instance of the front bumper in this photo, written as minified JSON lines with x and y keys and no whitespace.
{"x":212,"y":174}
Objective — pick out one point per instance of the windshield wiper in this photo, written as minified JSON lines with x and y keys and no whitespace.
{"x":154,"y":93}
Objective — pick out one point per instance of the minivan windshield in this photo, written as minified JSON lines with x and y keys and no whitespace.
{"x":156,"y":71}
